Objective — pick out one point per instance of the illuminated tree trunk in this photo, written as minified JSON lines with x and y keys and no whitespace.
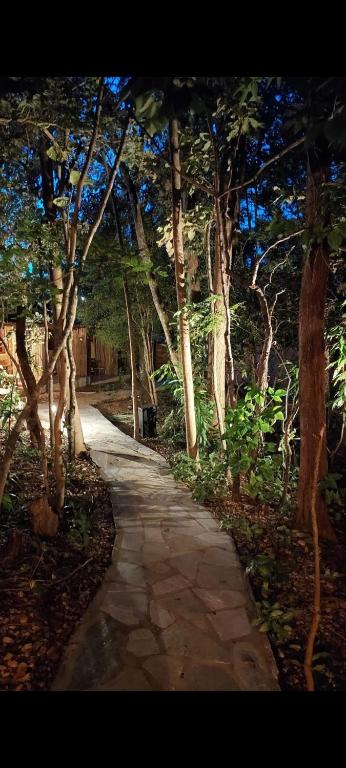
{"x":147,"y":355}
{"x":32,"y":399}
{"x":76,"y":444}
{"x":33,"y":420}
{"x":133,"y":363}
{"x":58,"y":454}
{"x":50,"y":389}
{"x":219,"y":339}
{"x":185,"y":346}
{"x":312,"y":380}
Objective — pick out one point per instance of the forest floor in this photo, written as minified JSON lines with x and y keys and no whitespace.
{"x":46,"y":589}
{"x":279,"y":562}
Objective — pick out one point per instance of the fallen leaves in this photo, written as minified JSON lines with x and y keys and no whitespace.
{"x":295,"y":592}
{"x":21,"y":671}
{"x":36,"y":623}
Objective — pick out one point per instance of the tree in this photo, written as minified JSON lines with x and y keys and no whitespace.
{"x":184,"y":330}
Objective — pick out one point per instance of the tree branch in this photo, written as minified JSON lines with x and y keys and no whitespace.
{"x":263,"y":167}
{"x":274,"y":245}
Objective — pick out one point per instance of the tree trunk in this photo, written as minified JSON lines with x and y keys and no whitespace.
{"x":75,"y":430}
{"x":58,"y":457}
{"x":145,"y":256}
{"x":262,"y":369}
{"x":147,"y":352}
{"x":219,"y":337}
{"x":223,"y":281}
{"x":71,"y":409}
{"x":133,"y":363}
{"x":50,"y":389}
{"x":189,"y":400}
{"x":32,"y":400}
{"x":33,"y":421}
{"x":312,"y":381}
{"x":62,"y":371}
{"x":215,"y":380}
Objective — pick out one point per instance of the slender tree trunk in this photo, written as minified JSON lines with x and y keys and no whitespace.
{"x":148,"y":363}
{"x":216,"y":382}
{"x":70,"y":415}
{"x":32,"y":399}
{"x":223,"y":278}
{"x":33,"y":421}
{"x":76,"y":438}
{"x":62,"y":371}
{"x":219,"y":337}
{"x":50,"y":379}
{"x":210,"y":364}
{"x":312,"y":381}
{"x":189,"y":400}
{"x":263,"y":365}
{"x":316,"y":611}
{"x":70,"y":290}
{"x":58,"y":458}
{"x":133,"y":363}
{"x":145,"y":256}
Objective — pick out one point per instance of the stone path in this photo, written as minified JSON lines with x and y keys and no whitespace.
{"x":175,"y":610}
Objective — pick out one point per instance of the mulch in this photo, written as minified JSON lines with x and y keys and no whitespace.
{"x":45,"y":591}
{"x":291,"y":587}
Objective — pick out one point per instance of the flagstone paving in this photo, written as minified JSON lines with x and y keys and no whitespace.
{"x":175,"y":610}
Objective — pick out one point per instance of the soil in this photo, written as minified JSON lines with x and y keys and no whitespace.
{"x":267,"y":532}
{"x":47,"y":587}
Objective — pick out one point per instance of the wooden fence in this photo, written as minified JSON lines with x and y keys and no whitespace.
{"x":85,"y":350}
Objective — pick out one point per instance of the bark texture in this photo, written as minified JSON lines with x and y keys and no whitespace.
{"x":185,"y":346}
{"x":312,"y":361}
{"x":133,"y":362}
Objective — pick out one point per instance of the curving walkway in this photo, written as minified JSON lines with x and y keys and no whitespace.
{"x":175,"y":610}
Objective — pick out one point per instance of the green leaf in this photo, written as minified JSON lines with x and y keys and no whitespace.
{"x":57,"y":154}
{"x":264,"y":426}
{"x":335,"y":238}
{"x":61,"y":202}
{"x":74,"y":177}
{"x":143,"y":101}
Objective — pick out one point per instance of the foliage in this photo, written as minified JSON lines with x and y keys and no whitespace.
{"x":10,"y":403}
{"x":337,"y":337}
{"x":250,"y":531}
{"x":173,"y":424}
{"x":248,"y":453}
{"x":274,"y":619}
{"x":206,"y":478}
{"x":78,"y":518}
{"x":333,"y":493}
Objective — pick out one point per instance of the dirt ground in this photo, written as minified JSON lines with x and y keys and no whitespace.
{"x":46,"y":589}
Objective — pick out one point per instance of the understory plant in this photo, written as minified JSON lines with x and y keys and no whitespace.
{"x":337,"y":337}
{"x":207,"y":478}
{"x":173,"y":426}
{"x":252,"y":458}
{"x":10,"y":403}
